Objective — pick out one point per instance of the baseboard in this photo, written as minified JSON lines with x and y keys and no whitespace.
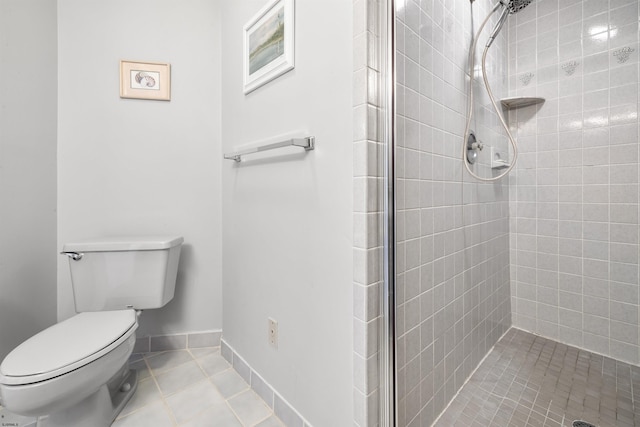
{"x":178,"y":341}
{"x":281,"y":408}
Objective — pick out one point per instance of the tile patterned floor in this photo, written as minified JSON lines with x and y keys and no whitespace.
{"x":525,"y":381}
{"x":186,"y":388}
{"x":194,"y":387}
{"x":528,"y":380}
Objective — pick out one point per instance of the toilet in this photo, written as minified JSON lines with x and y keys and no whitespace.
{"x":77,"y":371}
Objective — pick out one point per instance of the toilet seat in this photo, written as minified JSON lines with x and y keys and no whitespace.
{"x":67,"y":346}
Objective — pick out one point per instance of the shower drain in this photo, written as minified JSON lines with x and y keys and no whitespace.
{"x":582,"y":424}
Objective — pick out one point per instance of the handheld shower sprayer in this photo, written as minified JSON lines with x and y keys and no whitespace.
{"x":508,"y":7}
{"x":496,"y":30}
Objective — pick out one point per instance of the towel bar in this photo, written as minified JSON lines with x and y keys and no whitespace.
{"x":307,"y":143}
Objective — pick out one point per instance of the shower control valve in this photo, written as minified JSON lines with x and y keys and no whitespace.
{"x":76,"y":256}
{"x":473,"y":146}
{"x":477,"y":146}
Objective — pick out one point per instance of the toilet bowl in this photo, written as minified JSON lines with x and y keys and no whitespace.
{"x":83,"y":380}
{"x":77,"y":372}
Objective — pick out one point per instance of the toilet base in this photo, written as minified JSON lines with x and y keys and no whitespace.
{"x":102,"y":407}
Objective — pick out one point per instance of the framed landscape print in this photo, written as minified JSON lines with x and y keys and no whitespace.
{"x":268,"y":44}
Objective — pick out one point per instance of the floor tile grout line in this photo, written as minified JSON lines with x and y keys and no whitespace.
{"x":230,"y":397}
{"x":226,"y":398}
{"x":207,"y":378}
{"x":173,"y":367}
{"x":234,"y":413}
{"x":238,"y":416}
{"x":152,"y":373}
{"x":162,"y":396}
{"x":470,"y":376}
{"x":210,"y":380}
{"x":548,"y":369}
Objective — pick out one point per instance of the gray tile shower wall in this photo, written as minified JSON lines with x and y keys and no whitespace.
{"x":452,"y":231}
{"x":574,"y":194}
{"x":368,"y":78}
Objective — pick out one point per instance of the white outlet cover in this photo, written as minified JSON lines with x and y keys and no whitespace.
{"x":273,"y":332}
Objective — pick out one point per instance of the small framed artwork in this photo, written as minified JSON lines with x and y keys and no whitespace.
{"x":145,"y":80}
{"x":268,"y":44}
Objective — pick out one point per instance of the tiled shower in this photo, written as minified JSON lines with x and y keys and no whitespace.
{"x":452,"y":234}
{"x":553,"y":248}
{"x":574,"y":195}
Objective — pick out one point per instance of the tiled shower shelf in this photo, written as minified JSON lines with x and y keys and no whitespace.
{"x":520,"y":101}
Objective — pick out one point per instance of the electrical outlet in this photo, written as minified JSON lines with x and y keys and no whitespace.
{"x":273,"y":333}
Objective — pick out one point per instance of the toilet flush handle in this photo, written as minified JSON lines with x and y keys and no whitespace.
{"x":76,"y":256}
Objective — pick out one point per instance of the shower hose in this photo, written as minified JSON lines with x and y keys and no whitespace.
{"x":467,"y":129}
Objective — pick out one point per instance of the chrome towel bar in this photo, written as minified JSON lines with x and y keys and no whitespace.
{"x":307,"y":143}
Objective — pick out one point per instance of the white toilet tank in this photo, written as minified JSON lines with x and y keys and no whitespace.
{"x":123,"y":272}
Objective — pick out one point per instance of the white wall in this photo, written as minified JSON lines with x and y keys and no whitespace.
{"x":27,"y":169}
{"x":287,"y":216}
{"x":137,"y":166}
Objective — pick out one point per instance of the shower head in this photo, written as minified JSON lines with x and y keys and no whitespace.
{"x":516,"y":6}
{"x":509,"y":7}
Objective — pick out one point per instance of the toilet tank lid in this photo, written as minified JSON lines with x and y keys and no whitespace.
{"x":124,"y":243}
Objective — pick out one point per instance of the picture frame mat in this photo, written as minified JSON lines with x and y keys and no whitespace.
{"x":163,"y":70}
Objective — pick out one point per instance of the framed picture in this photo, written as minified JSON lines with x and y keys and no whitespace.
{"x":268,"y":44}
{"x":145,"y":80}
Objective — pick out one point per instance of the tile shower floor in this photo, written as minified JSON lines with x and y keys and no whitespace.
{"x":528,"y":380}
{"x":194,"y":387}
